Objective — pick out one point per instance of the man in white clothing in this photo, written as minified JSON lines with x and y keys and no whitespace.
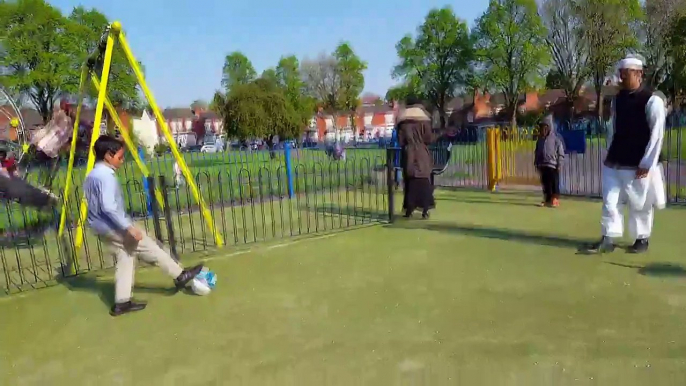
{"x":631,"y":174}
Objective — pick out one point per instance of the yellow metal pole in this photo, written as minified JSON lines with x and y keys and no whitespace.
{"x":102,"y":93}
{"x":127,"y":139}
{"x":72,"y":151}
{"x":116,"y":27}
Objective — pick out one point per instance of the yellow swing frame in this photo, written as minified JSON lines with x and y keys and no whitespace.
{"x":113,"y":33}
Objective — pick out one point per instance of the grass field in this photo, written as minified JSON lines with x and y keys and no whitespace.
{"x":487,"y":292}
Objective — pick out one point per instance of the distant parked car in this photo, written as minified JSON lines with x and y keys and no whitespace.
{"x":209,"y":148}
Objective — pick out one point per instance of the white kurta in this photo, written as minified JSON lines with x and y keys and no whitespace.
{"x":621,"y":186}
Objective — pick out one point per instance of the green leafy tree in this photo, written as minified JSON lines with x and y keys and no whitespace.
{"x":237,"y":70}
{"x":334,"y":82}
{"x":269,"y":77}
{"x":435,"y":63}
{"x":85,"y":29}
{"x":510,"y":41}
{"x":350,"y":70}
{"x":253,"y":110}
{"x":290,"y":78}
{"x":402,"y":92}
{"x":554,"y":80}
{"x":35,"y":60}
{"x":609,"y":31}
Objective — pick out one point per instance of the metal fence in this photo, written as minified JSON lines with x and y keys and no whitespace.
{"x":581,"y":170}
{"x":252,"y":196}
{"x":257,"y":196}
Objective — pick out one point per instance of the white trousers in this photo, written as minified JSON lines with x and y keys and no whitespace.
{"x":617,"y":187}
{"x":126,"y":250}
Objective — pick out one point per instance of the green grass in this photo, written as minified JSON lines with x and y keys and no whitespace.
{"x":487,"y":292}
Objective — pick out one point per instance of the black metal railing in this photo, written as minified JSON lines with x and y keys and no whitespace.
{"x":251,"y":196}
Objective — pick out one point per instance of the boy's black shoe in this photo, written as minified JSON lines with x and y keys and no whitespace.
{"x":605,"y":245}
{"x":127,"y":307}
{"x":425,"y":215}
{"x":640,"y":246}
{"x":186,"y":276}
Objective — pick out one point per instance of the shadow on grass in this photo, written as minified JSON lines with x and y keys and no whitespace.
{"x":370,"y":213}
{"x":105,"y":289}
{"x":655,"y":269}
{"x":492,"y":233}
{"x":469,"y":200}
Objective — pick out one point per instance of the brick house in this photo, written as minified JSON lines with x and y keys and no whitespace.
{"x":371,"y":121}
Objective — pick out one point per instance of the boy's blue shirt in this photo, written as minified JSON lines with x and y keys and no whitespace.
{"x":105,"y":200}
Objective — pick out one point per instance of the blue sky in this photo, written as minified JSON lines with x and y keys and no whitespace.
{"x":182,"y":43}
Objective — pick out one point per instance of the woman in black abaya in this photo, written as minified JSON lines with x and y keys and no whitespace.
{"x":414,"y":137}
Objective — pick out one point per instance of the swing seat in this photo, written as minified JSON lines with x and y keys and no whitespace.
{"x":441,"y":156}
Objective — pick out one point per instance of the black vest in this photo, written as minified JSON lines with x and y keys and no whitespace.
{"x":632,"y":132}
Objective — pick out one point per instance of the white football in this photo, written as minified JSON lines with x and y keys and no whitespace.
{"x":204,"y":283}
{"x":200,"y":287}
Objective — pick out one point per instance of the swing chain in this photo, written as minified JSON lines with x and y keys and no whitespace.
{"x":97,"y":57}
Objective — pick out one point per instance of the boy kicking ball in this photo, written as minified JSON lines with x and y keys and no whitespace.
{"x":106,"y":217}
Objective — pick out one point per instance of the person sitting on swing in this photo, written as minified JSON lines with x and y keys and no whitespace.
{"x":47,"y":142}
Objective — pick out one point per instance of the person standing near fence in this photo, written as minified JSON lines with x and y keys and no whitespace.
{"x":178,"y":175}
{"x":107,"y":218}
{"x":548,"y":158}
{"x":414,"y":137}
{"x":631,"y":173}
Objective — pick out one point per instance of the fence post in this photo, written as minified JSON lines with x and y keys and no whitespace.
{"x":146,"y":184}
{"x":289,"y":167}
{"x":492,"y":163}
{"x":396,"y":157}
{"x":155,"y":208}
{"x":390,"y":152}
{"x":168,"y":218}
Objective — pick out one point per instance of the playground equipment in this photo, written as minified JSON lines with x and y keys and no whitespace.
{"x":100,"y":61}
{"x":16,"y":142}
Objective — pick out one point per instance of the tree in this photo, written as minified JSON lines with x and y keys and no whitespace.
{"x":510,"y":41}
{"x":237,"y":70}
{"x":608,"y":27}
{"x":436,"y":62}
{"x":269,"y":77}
{"x":251,"y":110}
{"x":322,"y":82}
{"x":289,"y":77}
{"x":554,"y":80}
{"x":36,"y":53}
{"x":350,"y":73}
{"x":565,"y":39}
{"x":85,"y":29}
{"x":402,"y":92}
{"x":655,"y":35}
{"x":676,"y":80}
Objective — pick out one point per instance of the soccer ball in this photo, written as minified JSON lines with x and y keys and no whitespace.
{"x":204,"y":283}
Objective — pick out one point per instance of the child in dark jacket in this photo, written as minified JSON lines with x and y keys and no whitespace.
{"x":548,"y":158}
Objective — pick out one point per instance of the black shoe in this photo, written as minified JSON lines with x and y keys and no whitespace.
{"x":186,"y":276}
{"x":127,"y":307}
{"x":425,"y":215}
{"x":407,"y":214}
{"x":605,"y":245}
{"x":640,"y":246}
